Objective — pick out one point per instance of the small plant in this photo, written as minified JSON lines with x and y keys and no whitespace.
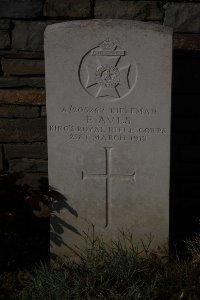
{"x":118,"y":272}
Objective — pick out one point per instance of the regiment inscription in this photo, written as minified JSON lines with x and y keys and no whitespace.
{"x":102,"y":124}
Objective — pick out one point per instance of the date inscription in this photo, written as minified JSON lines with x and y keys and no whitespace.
{"x":106,"y":124}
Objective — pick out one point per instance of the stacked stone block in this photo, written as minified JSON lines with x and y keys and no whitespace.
{"x":22,"y":84}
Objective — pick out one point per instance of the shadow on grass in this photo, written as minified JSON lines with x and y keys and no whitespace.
{"x":24,"y":238}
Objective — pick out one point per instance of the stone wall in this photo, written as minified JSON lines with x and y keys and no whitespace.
{"x":22,"y":86}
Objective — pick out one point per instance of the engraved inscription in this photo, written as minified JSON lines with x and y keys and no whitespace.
{"x":107,"y":72}
{"x":108,"y":48}
{"x":113,"y":110}
{"x":107,"y":124}
{"x":108,"y":175}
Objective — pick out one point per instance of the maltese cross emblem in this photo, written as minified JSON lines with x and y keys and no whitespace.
{"x":106,"y":73}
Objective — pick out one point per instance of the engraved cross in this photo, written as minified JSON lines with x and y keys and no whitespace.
{"x":108,"y":176}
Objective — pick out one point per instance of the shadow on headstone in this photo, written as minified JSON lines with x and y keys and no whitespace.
{"x":57,"y":225}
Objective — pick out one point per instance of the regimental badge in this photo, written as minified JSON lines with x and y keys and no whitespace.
{"x":107,"y":72}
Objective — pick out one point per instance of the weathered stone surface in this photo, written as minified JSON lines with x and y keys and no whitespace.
{"x":4,"y":39}
{"x":138,"y":10}
{"x":34,"y":82}
{"x":34,"y":180}
{"x":23,"y":130}
{"x":4,"y":24}
{"x":29,"y":35}
{"x":43,"y":111}
{"x":108,"y":129}
{"x":19,"y":111}
{"x":35,"y":150}
{"x":21,"y":8}
{"x":22,"y":66}
{"x":28,"y":165}
{"x":186,"y":41}
{"x":67,"y":8}
{"x":23,"y":97}
{"x":21,"y":54}
{"x":183,"y":17}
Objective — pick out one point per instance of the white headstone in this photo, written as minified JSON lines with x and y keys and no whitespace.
{"x":108,"y":109}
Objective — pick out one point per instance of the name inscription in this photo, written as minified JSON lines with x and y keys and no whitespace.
{"x":98,"y":124}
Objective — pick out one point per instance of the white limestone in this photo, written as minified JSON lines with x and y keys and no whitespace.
{"x":108,"y":109}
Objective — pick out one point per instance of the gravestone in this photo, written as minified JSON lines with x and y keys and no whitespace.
{"x":108,"y":112}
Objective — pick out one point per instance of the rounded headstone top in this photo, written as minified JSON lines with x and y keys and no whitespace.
{"x":109,"y":22}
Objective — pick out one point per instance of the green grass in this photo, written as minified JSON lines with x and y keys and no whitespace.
{"x":118,"y":272}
